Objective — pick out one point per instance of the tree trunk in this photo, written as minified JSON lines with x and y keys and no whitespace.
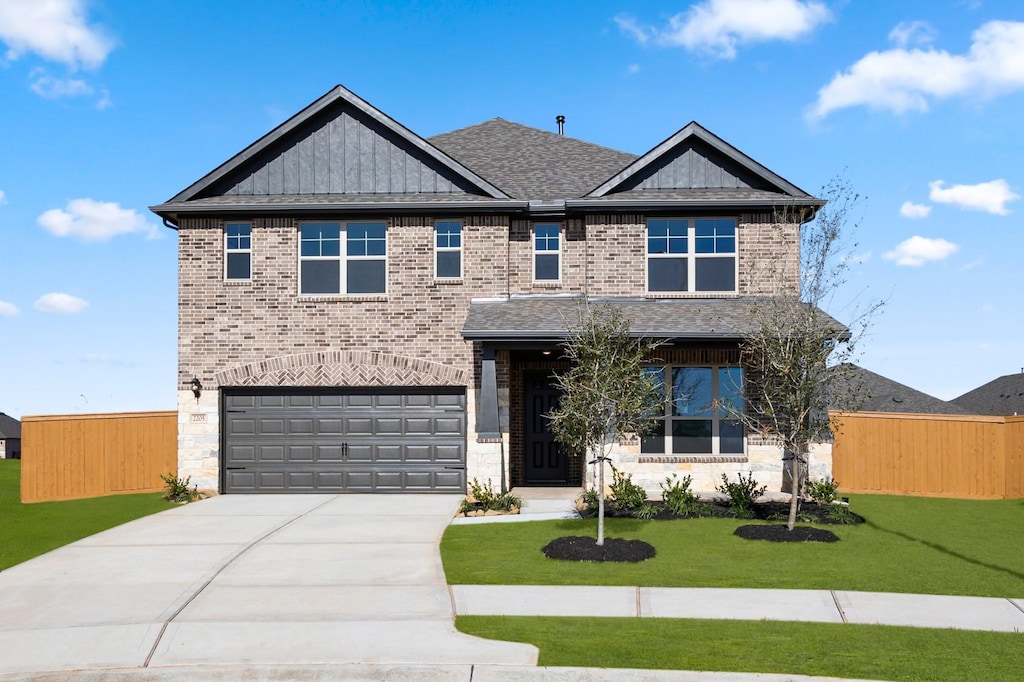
{"x":794,"y":487}
{"x":600,"y":502}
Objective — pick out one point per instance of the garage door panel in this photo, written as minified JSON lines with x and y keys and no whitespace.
{"x":344,"y":442}
{"x":330,"y":453}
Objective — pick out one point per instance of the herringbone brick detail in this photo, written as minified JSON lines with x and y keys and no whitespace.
{"x":343,"y":368}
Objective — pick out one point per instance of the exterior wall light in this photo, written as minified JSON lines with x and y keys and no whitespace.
{"x":197,"y":388}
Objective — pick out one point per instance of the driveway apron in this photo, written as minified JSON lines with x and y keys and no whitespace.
{"x":250,"y":580}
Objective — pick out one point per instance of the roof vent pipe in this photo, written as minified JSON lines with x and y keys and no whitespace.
{"x":560,"y":120}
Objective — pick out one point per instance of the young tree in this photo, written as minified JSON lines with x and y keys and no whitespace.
{"x":606,"y":395}
{"x":797,"y":356}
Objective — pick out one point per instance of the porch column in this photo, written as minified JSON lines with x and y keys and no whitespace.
{"x":487,"y":427}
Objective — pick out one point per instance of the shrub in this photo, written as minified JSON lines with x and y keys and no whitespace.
{"x":625,"y":493}
{"x":179,"y":490}
{"x":678,"y":497}
{"x":841,"y":514}
{"x":823,"y":492}
{"x":645,"y":511}
{"x":589,"y":499}
{"x":742,"y":494}
{"x":484,"y":496}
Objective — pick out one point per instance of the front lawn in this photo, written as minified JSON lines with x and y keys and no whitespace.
{"x":908,"y":544}
{"x":28,"y":530}
{"x":821,"y":649}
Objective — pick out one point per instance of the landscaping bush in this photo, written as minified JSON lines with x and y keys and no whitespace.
{"x":625,"y":493}
{"x":742,"y":494}
{"x":680,"y":500}
{"x":482,"y":496}
{"x":179,"y":490}
{"x":824,"y":491}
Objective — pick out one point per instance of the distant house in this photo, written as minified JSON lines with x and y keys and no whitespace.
{"x":880,"y":394}
{"x":10,"y":437}
{"x":1003,"y":397}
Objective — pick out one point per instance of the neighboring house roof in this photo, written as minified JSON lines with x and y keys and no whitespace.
{"x":1003,"y":396}
{"x":530,"y":163}
{"x":342,"y":154}
{"x":537,"y":318}
{"x":9,"y":427}
{"x":876,"y":393}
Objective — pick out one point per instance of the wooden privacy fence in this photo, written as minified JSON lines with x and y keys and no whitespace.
{"x":68,"y":457}
{"x":934,"y":455}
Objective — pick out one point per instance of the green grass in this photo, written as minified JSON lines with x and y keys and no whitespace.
{"x":909,"y":544}
{"x":832,"y":649}
{"x":28,"y":530}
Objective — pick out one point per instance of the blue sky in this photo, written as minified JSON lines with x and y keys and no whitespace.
{"x":109,"y":106}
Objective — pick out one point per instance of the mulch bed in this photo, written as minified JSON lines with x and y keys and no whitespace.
{"x":576,"y":548}
{"x":780,"y":533}
{"x":810,"y":512}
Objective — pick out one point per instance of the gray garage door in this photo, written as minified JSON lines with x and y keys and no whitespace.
{"x":379,"y":441}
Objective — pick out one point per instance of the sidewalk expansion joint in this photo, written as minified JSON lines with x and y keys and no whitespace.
{"x":839,"y":608}
{"x":639,"y":608}
{"x":1016,"y":605}
{"x":231,"y":560}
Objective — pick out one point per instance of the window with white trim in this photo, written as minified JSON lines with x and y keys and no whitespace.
{"x":448,"y":249}
{"x":238,"y":251}
{"x":698,"y":405}
{"x":325,"y":267}
{"x":547,"y":252}
{"x":691,"y":255}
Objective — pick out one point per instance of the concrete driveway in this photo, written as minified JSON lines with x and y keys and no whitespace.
{"x":267,"y":580}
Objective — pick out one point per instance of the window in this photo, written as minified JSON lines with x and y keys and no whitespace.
{"x":547,"y":252}
{"x":695,"y":419}
{"x":448,"y":249}
{"x":359,"y":268}
{"x":238,"y":251}
{"x":696,"y":255}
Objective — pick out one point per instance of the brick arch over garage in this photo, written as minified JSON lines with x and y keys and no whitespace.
{"x":343,"y":368}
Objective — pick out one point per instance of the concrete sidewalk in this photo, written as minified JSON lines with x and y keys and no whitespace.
{"x":817,"y":606}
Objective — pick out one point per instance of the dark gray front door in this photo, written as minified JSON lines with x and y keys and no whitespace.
{"x":546,"y":463}
{"x":296,"y":441}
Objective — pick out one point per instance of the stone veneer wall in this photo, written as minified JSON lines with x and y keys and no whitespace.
{"x":262,"y":333}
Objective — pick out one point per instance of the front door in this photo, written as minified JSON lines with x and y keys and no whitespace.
{"x":546,"y":463}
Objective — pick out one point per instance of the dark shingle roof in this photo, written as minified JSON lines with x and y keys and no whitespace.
{"x":9,"y":427}
{"x":1003,"y":396}
{"x":530,"y":163}
{"x":546,"y":317}
{"x":880,"y":394}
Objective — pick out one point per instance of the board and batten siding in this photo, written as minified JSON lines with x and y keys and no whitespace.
{"x":68,"y":457}
{"x":343,"y":154}
{"x":692,"y":168}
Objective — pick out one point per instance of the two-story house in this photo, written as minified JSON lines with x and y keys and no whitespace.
{"x":363,"y":309}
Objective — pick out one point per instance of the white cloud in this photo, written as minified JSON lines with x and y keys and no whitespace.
{"x":629,"y":26}
{"x":94,"y":220}
{"x":633,"y":69}
{"x":919,"y":250}
{"x":50,"y":87}
{"x":991,"y":196}
{"x":902,"y":80}
{"x":3,"y":198}
{"x":913,"y":33}
{"x":60,"y":303}
{"x":8,"y":309}
{"x":856,"y":258}
{"x":56,"y":30}
{"x":914,"y":211}
{"x":717,"y":27}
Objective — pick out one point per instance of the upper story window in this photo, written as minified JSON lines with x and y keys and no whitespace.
{"x":691,"y":254}
{"x":343,"y":258}
{"x":238,"y":251}
{"x":696,"y":414}
{"x":448,"y":249}
{"x":547,"y":252}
